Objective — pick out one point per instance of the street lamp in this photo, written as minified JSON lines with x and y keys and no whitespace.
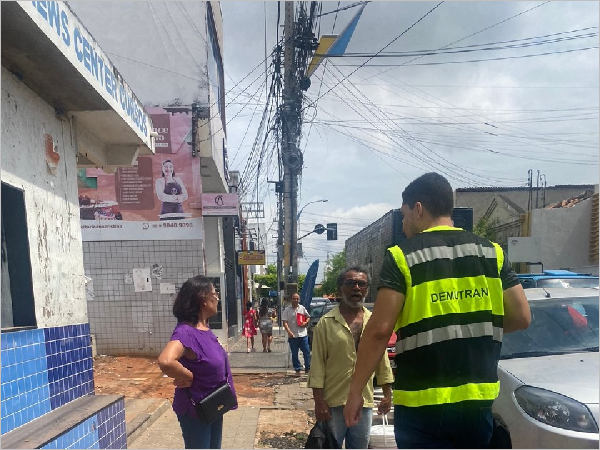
{"x":302,"y":209}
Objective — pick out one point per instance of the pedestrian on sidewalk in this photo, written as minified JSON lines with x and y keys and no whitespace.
{"x":266,"y":316}
{"x":295,"y":319}
{"x":196,"y":360}
{"x":250,"y":324}
{"x":334,"y":346}
{"x":451,"y":295}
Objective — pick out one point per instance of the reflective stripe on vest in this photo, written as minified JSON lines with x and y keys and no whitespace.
{"x":450,"y":332}
{"x":438,"y":396}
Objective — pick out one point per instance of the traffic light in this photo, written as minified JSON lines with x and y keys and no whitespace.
{"x":332,"y":231}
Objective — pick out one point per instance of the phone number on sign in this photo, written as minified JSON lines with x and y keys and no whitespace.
{"x":173,"y":225}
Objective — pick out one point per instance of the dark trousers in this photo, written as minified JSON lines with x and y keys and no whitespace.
{"x":199,"y":434}
{"x":453,"y":425}
{"x":300,"y":343}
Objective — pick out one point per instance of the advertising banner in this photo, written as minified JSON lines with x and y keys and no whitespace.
{"x":308,"y":286}
{"x":252,"y":258}
{"x":220,"y":204}
{"x":159,"y":198}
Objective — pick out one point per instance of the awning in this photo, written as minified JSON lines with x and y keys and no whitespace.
{"x":47,"y":48}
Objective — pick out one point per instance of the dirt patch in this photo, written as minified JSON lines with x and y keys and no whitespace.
{"x":140,"y":377}
{"x":136,"y":377}
{"x":283,"y":428}
{"x":254,"y":390}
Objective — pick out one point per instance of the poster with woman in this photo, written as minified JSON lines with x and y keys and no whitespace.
{"x":160,"y":197}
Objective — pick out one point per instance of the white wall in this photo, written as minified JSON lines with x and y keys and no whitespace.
{"x":51,"y":202}
{"x":214,"y":256}
{"x":213,"y":245}
{"x":565,"y":234}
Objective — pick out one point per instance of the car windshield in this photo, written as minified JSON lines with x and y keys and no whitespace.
{"x":568,"y":282}
{"x":558,"y":326}
{"x":316,"y":311}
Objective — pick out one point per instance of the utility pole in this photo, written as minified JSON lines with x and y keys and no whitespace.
{"x":292,"y":159}
{"x":299,"y":45}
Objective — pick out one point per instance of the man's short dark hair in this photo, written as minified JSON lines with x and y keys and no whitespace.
{"x":433,"y":191}
{"x":342,"y":275}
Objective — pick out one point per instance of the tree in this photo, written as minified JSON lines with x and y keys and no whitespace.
{"x":486,"y":228}
{"x":269,"y":280}
{"x":333,"y":268}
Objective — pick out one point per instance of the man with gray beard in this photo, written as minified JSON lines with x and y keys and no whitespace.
{"x":335,"y":342}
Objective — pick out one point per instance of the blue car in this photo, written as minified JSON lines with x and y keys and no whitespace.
{"x":558,"y":278}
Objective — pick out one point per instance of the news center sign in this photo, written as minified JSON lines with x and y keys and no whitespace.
{"x":252,"y":258}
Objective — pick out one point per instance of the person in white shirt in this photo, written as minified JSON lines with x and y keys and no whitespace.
{"x":295,"y":319}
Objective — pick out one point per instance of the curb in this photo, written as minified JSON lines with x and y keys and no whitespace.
{"x":144,"y":419}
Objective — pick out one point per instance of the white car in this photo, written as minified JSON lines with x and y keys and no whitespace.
{"x":549,"y":373}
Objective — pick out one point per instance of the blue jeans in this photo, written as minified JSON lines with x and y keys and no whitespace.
{"x":466,"y":424}
{"x":300,"y":343}
{"x":356,"y":436}
{"x":199,"y":434}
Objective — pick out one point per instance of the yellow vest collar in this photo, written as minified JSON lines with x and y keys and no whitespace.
{"x":442,"y":228}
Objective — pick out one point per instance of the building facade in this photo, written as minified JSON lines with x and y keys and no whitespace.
{"x":63,"y":104}
{"x":562,"y":217}
{"x":172,"y":53}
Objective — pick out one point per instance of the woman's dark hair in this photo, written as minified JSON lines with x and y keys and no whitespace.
{"x":264,"y":307}
{"x":433,"y":191}
{"x":342,"y":275}
{"x":187,"y":303}
{"x":163,"y":163}
{"x":248,"y":306}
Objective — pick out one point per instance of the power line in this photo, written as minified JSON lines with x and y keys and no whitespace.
{"x":533,"y":55}
{"x":386,"y":46}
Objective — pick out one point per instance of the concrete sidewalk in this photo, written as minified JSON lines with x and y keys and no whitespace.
{"x":151,"y":424}
{"x":239,"y":430}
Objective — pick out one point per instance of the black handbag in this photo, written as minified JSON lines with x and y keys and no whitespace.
{"x":215,"y":404}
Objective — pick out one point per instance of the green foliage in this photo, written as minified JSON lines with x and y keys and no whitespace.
{"x":301,"y":279}
{"x":486,"y":228}
{"x":333,"y":268}
{"x":268,"y":281}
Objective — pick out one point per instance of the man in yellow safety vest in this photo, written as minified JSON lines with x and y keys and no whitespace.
{"x":450,"y":295}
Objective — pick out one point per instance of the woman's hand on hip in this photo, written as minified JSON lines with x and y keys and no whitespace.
{"x":183,"y":382}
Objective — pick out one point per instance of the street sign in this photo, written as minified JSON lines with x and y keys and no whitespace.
{"x":252,"y":258}
{"x":332,"y":231}
{"x":254,"y":209}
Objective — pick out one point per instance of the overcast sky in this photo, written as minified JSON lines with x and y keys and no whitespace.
{"x":482,"y":114}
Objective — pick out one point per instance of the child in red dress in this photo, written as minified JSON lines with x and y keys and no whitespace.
{"x":250,"y":324}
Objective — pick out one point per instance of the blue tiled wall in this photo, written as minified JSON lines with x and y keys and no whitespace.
{"x":69,"y":361}
{"x":42,"y":370}
{"x":104,"y":430}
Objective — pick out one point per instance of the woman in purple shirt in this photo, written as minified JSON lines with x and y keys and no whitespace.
{"x":196,"y":361}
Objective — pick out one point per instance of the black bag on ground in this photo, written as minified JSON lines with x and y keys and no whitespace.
{"x":317,"y":438}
